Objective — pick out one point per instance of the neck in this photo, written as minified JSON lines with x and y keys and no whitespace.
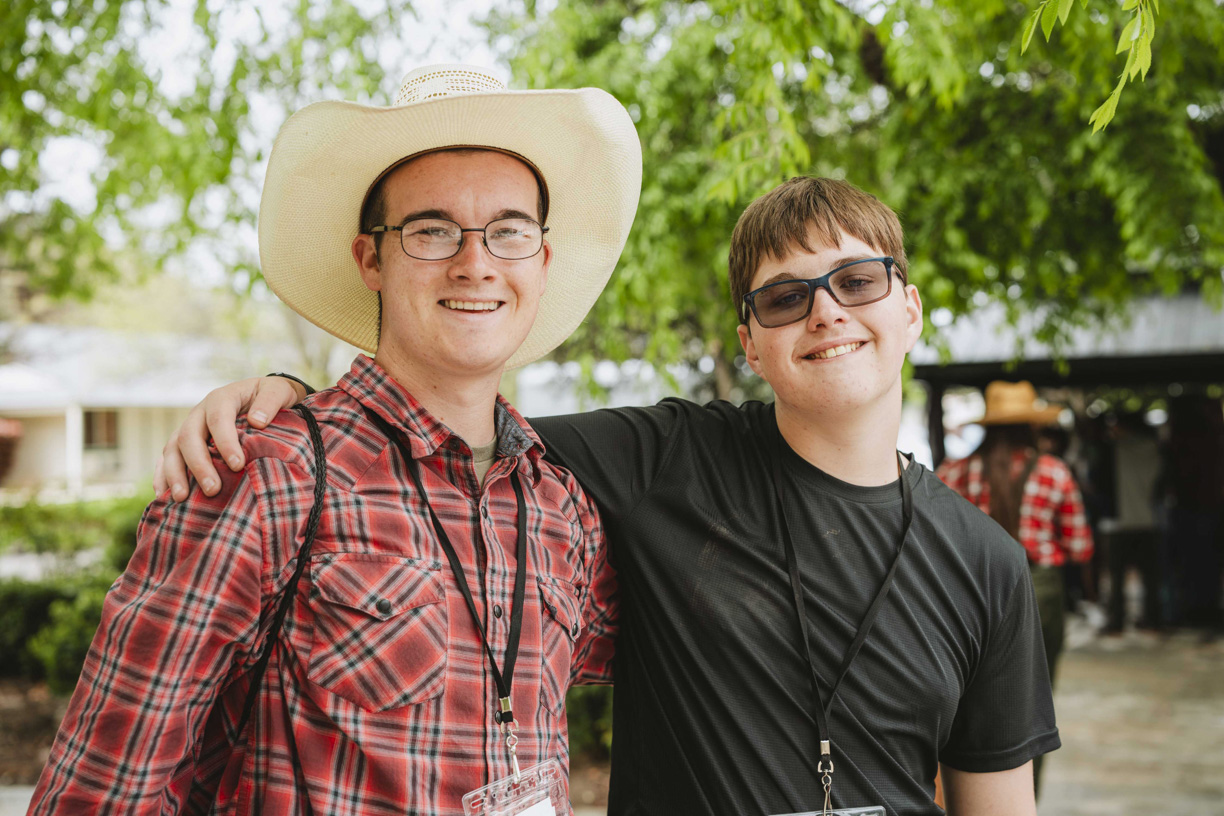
{"x":858,"y":446}
{"x":464,"y":404}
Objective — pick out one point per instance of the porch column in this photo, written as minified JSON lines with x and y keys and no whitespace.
{"x":74,"y":449}
{"x":935,"y":421}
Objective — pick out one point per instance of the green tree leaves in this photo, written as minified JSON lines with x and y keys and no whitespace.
{"x":1135,"y":39}
{"x":1004,"y":193}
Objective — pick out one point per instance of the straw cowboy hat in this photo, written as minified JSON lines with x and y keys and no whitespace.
{"x":327,"y":156}
{"x":1017,"y":404}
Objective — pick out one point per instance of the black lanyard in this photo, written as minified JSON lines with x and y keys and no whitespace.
{"x":792,"y":563}
{"x":505,"y":714}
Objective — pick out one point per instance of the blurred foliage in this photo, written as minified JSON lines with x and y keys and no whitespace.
{"x":68,"y":529}
{"x":172,"y":123}
{"x":25,"y":607}
{"x":46,"y":625}
{"x":1005,"y":192}
{"x":589,"y":712}
{"x":62,"y":644}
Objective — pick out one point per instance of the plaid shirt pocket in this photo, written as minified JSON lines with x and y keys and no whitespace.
{"x":380,"y":629}
{"x":559,"y":630}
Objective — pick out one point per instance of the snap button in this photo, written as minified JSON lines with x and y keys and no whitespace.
{"x":383,"y":606}
{"x":574,"y":630}
{"x":484,"y":511}
{"x":497,"y":613}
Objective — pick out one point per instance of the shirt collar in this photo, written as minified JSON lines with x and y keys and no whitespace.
{"x":369,"y":384}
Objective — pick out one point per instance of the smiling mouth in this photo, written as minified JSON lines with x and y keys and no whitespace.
{"x":836,"y":351}
{"x":472,"y":305}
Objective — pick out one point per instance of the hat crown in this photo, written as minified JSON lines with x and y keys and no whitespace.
{"x":436,"y":81}
{"x":1006,"y":397}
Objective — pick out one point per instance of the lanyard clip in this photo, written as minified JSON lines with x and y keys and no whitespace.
{"x":824,"y":767}
{"x":504,"y":714}
{"x":507,"y":727}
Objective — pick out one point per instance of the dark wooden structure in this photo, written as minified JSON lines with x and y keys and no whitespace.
{"x":1162,"y":342}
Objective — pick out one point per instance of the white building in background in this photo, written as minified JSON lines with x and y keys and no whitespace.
{"x":93,"y":408}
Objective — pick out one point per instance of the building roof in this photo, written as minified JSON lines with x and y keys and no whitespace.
{"x":59,"y":366}
{"x":1162,"y":340}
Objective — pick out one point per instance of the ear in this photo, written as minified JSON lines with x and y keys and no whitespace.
{"x":366,"y":256}
{"x":913,"y":317}
{"x":750,"y":352}
{"x":548,"y":255}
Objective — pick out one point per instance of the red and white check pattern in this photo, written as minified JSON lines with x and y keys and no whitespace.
{"x":1053,"y":526}
{"x":378,"y":698}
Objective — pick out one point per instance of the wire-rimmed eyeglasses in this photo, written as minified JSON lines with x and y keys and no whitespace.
{"x":436,"y":239}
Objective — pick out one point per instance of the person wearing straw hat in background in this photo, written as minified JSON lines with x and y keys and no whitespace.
{"x":1033,"y":496}
{"x":454,"y":582}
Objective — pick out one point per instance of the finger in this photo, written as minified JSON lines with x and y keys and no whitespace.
{"x":221,"y":413}
{"x":193,"y":450}
{"x":159,"y":477}
{"x":174,"y":474}
{"x":271,"y":395}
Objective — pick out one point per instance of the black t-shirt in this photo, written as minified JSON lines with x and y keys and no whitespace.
{"x":713,"y":704}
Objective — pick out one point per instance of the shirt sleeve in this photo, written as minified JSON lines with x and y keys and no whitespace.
{"x":615,"y":453}
{"x":174,"y":630}
{"x":1073,"y":531}
{"x":592,"y":664}
{"x":1006,"y":715}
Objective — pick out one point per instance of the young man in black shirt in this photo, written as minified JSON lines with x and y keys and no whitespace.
{"x":771,"y":556}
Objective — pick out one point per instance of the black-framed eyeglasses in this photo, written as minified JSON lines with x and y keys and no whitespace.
{"x":789,"y":301}
{"x":436,"y":239}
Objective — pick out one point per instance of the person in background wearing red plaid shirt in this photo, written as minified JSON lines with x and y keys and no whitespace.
{"x":458,"y":583}
{"x":1033,"y":496}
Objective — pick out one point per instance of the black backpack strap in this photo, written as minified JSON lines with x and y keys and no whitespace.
{"x":290,"y":590}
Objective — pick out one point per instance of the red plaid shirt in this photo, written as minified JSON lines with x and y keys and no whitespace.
{"x":378,"y":698}
{"x":1053,"y":525}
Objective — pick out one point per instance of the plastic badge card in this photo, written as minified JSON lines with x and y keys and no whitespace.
{"x":874,"y":810}
{"x":539,"y":791}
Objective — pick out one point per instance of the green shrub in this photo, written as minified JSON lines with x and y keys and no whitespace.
{"x":589,"y":709}
{"x":25,"y":607}
{"x":62,"y":644}
{"x":67,"y":529}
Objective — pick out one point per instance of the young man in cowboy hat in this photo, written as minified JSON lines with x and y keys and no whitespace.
{"x":447,"y":603}
{"x":753,"y":542}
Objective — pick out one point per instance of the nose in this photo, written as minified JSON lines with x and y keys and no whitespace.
{"x":473,"y":261}
{"x":826,"y":311}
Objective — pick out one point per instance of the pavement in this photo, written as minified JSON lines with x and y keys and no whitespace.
{"x":1142,"y":723}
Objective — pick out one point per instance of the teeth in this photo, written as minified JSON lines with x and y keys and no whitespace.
{"x":836,"y":351}
{"x":471,"y":305}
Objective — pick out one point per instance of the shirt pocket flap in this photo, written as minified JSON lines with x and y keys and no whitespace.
{"x":561,"y":604}
{"x":381,"y":587}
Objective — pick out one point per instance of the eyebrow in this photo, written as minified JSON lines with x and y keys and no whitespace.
{"x":445,"y":215}
{"x":782,"y":276}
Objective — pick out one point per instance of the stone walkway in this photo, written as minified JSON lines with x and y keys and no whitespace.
{"x":1142,"y":723}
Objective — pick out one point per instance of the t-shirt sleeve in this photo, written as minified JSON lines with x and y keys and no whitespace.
{"x":1006,"y":716}
{"x":615,"y":453}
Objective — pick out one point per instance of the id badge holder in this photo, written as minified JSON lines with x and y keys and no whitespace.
{"x":537,"y":791}
{"x":874,"y":810}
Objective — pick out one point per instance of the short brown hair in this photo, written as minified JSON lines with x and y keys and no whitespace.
{"x":782,"y":220}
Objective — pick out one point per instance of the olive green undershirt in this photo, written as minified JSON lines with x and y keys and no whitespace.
{"x":482,"y":458}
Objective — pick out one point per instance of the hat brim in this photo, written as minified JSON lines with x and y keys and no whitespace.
{"x":1032,"y":416}
{"x":328,"y":154}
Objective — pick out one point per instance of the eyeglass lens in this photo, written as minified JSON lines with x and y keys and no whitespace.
{"x":433,"y":239}
{"x":788,"y":302}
